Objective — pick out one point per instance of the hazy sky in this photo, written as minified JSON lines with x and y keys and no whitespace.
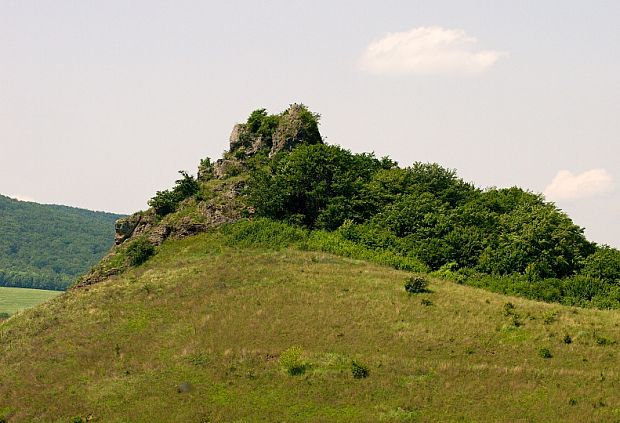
{"x":102,"y":102}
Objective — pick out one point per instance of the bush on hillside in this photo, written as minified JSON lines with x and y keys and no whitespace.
{"x":603,"y":264}
{"x":166,"y":202}
{"x":416,"y":285}
{"x":544,"y":353}
{"x":291,"y":361}
{"x":139,"y":251}
{"x":359,"y":370}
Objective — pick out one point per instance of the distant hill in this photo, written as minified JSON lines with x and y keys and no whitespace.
{"x":48,"y":246}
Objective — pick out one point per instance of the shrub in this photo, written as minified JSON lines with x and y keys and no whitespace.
{"x":416,"y":285}
{"x":544,"y":353}
{"x":291,"y":361}
{"x":602,"y":341}
{"x":604,"y":264}
{"x":509,"y":309}
{"x":426,"y":302}
{"x":205,"y":170}
{"x":166,"y":201}
{"x":139,"y":251}
{"x":550,"y":317}
{"x":567,"y":339}
{"x":359,"y":370}
{"x":4,"y":315}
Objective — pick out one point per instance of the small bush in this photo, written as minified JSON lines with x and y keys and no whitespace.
{"x":165,"y":202}
{"x":602,"y":341}
{"x":291,"y":361}
{"x":550,"y":317}
{"x":544,"y":353}
{"x":359,"y":370}
{"x":426,"y":302}
{"x":4,"y":315}
{"x":567,"y":339}
{"x":416,"y":285}
{"x":509,"y":309}
{"x":199,"y":359}
{"x":139,"y":251}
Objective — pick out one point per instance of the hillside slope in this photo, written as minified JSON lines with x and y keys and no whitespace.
{"x":48,"y":246}
{"x":197,"y":334}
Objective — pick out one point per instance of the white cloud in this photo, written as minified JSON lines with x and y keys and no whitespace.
{"x":567,"y":186}
{"x":426,"y":51}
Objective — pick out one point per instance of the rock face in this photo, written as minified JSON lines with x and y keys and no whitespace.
{"x":295,"y":126}
{"x":125,"y":227}
{"x":238,"y":132}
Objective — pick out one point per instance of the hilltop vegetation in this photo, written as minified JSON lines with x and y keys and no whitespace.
{"x":421,"y":217}
{"x":224,"y":327}
{"x":48,"y":246}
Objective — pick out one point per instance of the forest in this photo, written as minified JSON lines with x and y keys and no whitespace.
{"x":48,"y":246}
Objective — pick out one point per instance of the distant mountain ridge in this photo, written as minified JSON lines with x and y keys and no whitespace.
{"x":48,"y":246}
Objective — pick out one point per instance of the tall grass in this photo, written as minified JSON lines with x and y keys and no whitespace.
{"x":579,"y":291}
{"x":266,"y":233}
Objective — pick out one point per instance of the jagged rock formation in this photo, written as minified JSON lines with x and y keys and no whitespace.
{"x":222,"y":184}
{"x":294,"y":126}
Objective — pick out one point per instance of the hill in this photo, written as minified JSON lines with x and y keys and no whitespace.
{"x":203,"y":332}
{"x":48,"y":246}
{"x":422,"y":217}
{"x":292,"y":280}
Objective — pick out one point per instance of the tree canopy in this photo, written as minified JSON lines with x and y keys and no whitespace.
{"x":47,"y":246}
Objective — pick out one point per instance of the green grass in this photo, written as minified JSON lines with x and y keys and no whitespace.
{"x":214,"y":318}
{"x":15,"y":299}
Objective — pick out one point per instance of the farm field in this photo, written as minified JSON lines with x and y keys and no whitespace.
{"x":15,"y":299}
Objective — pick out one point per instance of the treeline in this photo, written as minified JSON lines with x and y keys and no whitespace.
{"x":427,"y":213}
{"x":48,"y":246}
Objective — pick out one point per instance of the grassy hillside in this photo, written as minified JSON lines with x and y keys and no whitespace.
{"x":15,"y":299}
{"x":200,"y":333}
{"x":47,"y":246}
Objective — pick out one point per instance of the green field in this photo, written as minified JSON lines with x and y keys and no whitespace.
{"x":15,"y":299}
{"x":198,"y":333}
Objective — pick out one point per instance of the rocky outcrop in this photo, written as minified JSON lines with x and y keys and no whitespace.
{"x":125,"y":227}
{"x":297,"y":125}
{"x":294,"y":126}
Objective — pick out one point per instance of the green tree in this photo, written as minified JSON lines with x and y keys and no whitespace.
{"x":603,"y":264}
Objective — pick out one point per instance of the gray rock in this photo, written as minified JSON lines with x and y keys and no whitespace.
{"x":294,"y":129}
{"x":236,"y":136}
{"x":184,"y":387}
{"x":125,"y":227}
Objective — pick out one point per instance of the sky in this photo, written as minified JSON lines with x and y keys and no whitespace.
{"x":102,"y":102}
